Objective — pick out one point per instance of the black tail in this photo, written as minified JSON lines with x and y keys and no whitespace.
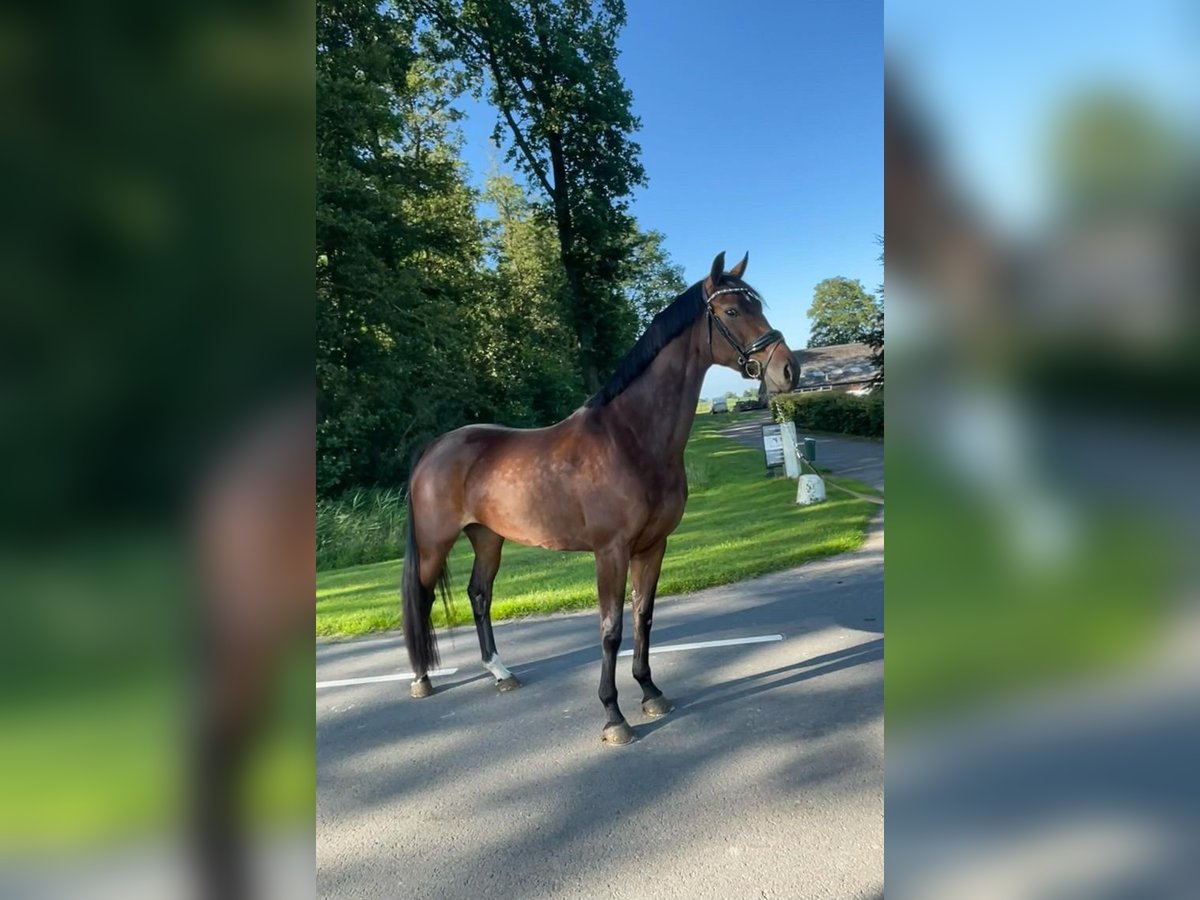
{"x":418,"y":604}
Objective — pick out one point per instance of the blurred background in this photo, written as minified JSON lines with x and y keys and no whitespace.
{"x":1043,"y":167}
{"x":156,"y":486}
{"x":156,"y":451}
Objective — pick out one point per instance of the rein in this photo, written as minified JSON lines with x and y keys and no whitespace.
{"x":770,"y":339}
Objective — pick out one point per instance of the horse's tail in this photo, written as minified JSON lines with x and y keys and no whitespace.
{"x":417,"y":605}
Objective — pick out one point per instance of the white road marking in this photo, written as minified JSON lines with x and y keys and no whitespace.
{"x":700,"y":645}
{"x":371,"y":679}
{"x":499,"y":666}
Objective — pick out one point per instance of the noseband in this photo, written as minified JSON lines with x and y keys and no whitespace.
{"x":751,"y":368}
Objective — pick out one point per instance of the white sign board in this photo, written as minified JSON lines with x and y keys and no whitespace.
{"x":772,"y":438}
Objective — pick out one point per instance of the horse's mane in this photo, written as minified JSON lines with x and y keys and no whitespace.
{"x":663,"y":328}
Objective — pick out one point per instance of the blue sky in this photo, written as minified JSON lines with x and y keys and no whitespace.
{"x":995,"y":78}
{"x":762,"y":131}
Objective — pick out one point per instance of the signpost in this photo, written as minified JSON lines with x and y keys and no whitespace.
{"x":772,"y":438}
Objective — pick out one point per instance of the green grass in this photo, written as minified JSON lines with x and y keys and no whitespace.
{"x":97,"y":699}
{"x":74,"y":770}
{"x":738,"y":524}
{"x":969,"y":622}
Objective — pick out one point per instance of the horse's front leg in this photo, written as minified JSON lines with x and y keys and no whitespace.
{"x":612,"y":568}
{"x":645,"y":568}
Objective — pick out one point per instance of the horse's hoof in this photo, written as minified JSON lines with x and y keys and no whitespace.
{"x":620,"y":733}
{"x":419,"y":689}
{"x":656,"y":707}
{"x":511,"y":683}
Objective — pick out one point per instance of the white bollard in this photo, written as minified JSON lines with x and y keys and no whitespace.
{"x":811,"y":490}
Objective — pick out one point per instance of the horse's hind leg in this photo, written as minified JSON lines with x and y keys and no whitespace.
{"x":431,"y":563}
{"x":487,"y":545}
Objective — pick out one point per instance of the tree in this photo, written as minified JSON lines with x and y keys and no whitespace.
{"x":522,"y":350}
{"x":874,"y":334}
{"x":652,"y":280}
{"x":842,"y":312}
{"x":550,"y":71}
{"x":429,"y":317}
{"x":397,"y":247}
{"x":1111,"y":155}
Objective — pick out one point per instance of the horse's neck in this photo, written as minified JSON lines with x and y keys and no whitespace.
{"x":660,"y":404}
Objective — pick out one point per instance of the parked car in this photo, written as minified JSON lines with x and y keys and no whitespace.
{"x":720,"y":406}
{"x":749,"y":405}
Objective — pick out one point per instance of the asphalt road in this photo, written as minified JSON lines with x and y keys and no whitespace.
{"x":766,"y":781}
{"x":854,"y":457}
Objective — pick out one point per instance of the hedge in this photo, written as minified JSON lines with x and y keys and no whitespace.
{"x":829,"y":411}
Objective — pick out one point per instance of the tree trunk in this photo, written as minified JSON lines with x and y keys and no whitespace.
{"x":581,"y":312}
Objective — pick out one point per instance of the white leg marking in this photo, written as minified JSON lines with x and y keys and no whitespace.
{"x":497,"y":668}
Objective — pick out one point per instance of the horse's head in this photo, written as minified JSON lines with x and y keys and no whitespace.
{"x":740,"y":335}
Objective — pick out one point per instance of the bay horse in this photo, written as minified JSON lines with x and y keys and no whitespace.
{"x":609,"y":478}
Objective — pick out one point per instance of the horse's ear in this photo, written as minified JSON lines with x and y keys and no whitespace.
{"x":718,"y":269}
{"x":740,"y":269}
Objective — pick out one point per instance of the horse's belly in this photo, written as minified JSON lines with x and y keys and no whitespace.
{"x":552,"y":528}
{"x":544,"y":538}
{"x":564,"y":507}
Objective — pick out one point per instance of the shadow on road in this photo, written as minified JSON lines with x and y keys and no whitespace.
{"x":458,"y":746}
{"x":530,"y":763}
{"x":751,"y":685}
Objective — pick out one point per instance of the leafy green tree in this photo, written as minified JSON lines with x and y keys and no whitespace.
{"x":1110,"y":154}
{"x":523,"y":351}
{"x":550,"y":71}
{"x":429,"y":317}
{"x":522,"y":348}
{"x":842,"y":312}
{"x":397,"y":247}
{"x":874,"y":336}
{"x":652,"y":280}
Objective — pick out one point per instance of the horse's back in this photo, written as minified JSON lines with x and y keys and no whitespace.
{"x":460,"y":449}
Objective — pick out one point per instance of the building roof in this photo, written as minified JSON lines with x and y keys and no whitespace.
{"x":837,"y":364}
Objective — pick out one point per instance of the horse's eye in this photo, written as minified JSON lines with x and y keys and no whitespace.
{"x":731,"y":311}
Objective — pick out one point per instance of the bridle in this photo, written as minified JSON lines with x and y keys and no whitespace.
{"x":771,"y":339}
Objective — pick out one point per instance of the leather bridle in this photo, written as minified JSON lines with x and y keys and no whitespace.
{"x":770,"y":339}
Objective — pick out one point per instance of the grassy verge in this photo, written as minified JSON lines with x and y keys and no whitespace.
{"x":97,"y":697}
{"x":971,"y":620}
{"x":738,"y":524}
